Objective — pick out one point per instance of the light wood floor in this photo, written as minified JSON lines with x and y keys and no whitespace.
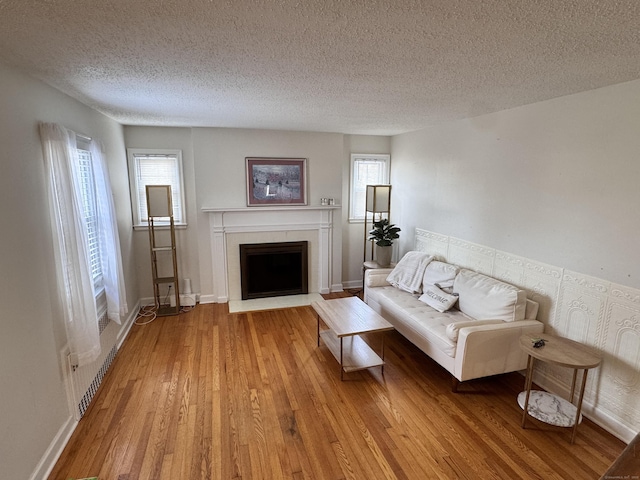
{"x":209,"y":395}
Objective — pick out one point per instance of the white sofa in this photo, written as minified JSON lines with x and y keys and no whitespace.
{"x":477,"y":337}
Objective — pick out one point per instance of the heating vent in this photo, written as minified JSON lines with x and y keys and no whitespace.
{"x":93,"y":386}
{"x":102,"y":323}
{"x":85,"y":380}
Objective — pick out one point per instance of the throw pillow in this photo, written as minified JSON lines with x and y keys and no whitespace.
{"x":438,"y":299}
{"x":483,"y":297}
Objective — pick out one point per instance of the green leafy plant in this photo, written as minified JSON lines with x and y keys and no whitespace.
{"x":384,"y":233}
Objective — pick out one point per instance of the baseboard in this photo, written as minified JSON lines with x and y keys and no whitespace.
{"x":146,"y":302}
{"x":59,"y":442}
{"x":209,"y":299}
{"x":352,"y":284}
{"x":52,"y":454}
{"x":608,"y":423}
{"x":337,"y":287}
{"x":597,"y":416}
{"x":125,"y":328}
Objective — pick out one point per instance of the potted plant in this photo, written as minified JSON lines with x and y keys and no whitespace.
{"x":383,"y":234}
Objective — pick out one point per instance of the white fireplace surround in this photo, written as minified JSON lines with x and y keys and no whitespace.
{"x":229,"y":227}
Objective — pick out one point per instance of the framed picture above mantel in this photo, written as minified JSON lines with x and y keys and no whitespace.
{"x":276,"y":181}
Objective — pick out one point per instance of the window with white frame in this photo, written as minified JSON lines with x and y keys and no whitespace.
{"x":366,"y":169}
{"x":90,"y":210}
{"x":155,"y":167}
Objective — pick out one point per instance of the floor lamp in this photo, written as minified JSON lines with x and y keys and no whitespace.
{"x":378,"y":203}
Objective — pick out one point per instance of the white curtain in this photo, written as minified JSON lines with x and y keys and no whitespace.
{"x":71,"y":246}
{"x":109,"y":239}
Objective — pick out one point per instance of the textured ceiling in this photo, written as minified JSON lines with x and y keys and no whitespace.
{"x":360,"y":66}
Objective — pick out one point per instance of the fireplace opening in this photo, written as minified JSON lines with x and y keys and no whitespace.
{"x":273,"y":269}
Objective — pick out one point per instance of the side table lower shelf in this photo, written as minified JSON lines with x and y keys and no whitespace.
{"x":354,"y":355}
{"x":549,"y":408}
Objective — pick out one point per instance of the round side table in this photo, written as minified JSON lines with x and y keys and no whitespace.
{"x":547,"y":407}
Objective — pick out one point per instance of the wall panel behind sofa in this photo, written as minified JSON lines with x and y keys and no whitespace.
{"x":589,"y":310}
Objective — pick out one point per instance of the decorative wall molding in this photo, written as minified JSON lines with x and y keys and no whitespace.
{"x":590,"y":310}
{"x":471,"y":255}
{"x":625,"y":293}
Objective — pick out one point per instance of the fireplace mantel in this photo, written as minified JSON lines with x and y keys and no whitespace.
{"x":228,"y":224}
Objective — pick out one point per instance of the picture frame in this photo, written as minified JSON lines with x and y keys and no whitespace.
{"x":276,"y":181}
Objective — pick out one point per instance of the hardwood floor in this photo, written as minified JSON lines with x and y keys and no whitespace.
{"x":212,"y":395}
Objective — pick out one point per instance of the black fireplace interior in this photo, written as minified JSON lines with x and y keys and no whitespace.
{"x":273,"y":269}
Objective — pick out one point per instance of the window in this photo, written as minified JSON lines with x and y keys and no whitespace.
{"x":365,"y":170}
{"x":155,"y":167}
{"x":90,"y":210}
{"x":85,"y":238}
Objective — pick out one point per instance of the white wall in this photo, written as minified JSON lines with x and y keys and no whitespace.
{"x":556,"y":181}
{"x":186,"y":238}
{"x":215,"y":176}
{"x":353,"y":233}
{"x":33,"y":404}
{"x":221,"y":175}
{"x":554,"y":184}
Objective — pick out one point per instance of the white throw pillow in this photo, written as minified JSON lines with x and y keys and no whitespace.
{"x":438,"y":299}
{"x":453,"y":329}
{"x":483,"y":297}
{"x":440,"y":274}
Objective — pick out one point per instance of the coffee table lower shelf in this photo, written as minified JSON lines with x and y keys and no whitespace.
{"x":356,"y":354}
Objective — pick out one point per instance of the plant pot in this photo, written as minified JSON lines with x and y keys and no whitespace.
{"x":383,"y":255}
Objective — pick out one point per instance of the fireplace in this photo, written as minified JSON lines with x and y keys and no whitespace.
{"x":273,"y":269}
{"x":231,"y":227}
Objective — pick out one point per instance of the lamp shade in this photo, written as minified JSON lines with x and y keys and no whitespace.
{"x":159,"y":200}
{"x":378,"y":198}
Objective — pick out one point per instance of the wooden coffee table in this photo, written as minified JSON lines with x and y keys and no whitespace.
{"x":346,"y":319}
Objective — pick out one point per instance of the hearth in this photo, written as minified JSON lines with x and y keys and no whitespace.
{"x":273,"y":269}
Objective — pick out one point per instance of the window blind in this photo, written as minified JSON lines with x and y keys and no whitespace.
{"x":158,"y":170}
{"x":366,"y":170}
{"x":88,"y":190}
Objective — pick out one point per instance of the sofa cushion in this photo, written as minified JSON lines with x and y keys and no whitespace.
{"x":440,"y":274}
{"x":453,"y":329}
{"x":437,"y":298}
{"x":482,"y":297}
{"x":407,"y":274}
{"x":416,"y":316}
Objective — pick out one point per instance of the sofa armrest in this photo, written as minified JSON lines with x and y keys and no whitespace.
{"x":376,"y":277}
{"x":531,"y":310}
{"x":486,"y":350}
